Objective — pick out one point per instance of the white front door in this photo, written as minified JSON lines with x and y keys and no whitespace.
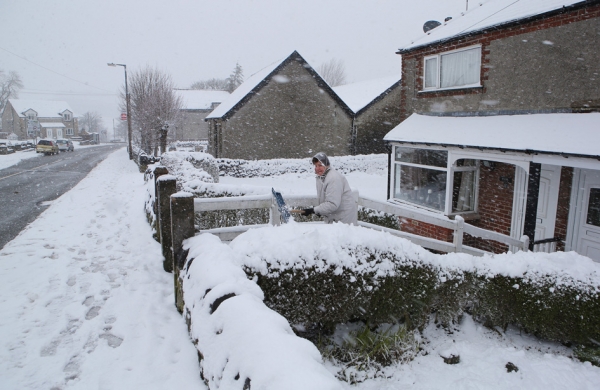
{"x":48,"y":133}
{"x":59,"y":133}
{"x":547,"y":202}
{"x":586,"y":229}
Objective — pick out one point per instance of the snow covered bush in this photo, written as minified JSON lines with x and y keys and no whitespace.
{"x":231,"y":326}
{"x":375,"y":163}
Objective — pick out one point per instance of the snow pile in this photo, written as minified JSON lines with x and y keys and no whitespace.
{"x":242,"y":342}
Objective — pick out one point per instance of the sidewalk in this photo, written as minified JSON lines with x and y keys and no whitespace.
{"x":84,"y":301}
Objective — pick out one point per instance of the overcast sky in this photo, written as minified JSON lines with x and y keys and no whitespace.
{"x":60,"y":48}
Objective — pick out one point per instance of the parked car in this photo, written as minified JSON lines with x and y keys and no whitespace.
{"x":47,"y":147}
{"x":65,"y":145}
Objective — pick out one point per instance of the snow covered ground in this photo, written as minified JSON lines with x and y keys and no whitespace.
{"x":85,"y":304}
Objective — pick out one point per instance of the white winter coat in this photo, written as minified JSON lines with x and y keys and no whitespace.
{"x":336,"y":202}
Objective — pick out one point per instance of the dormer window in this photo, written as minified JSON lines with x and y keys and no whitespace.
{"x":67,"y":116}
{"x":30,"y":115}
{"x":454,"y":69}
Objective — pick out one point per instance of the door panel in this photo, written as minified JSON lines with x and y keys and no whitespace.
{"x":588,"y":232}
{"x":547,"y":203}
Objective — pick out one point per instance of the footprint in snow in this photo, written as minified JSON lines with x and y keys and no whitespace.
{"x":92,"y":313}
{"x":113,"y":341}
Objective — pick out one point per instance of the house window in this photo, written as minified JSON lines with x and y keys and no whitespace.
{"x":421,"y":178}
{"x":31,"y":116}
{"x":67,"y":116}
{"x":455,"y":69}
{"x":593,"y":212}
{"x":69,"y":131}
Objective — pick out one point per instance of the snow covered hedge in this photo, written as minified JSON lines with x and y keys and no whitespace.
{"x":231,"y":326}
{"x":333,"y":274}
{"x":240,"y":299}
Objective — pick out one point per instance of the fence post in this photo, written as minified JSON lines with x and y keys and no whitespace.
{"x":158,"y":172}
{"x":525,"y":241}
{"x":182,"y":227}
{"x":458,"y":233}
{"x":166,"y":186}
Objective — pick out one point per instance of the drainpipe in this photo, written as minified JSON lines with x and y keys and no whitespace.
{"x":533,"y":193}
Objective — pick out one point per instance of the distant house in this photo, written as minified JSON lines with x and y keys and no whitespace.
{"x":376,"y":108}
{"x":39,"y":118}
{"x":197,"y":104}
{"x":285,"y":110}
{"x":500,"y":124}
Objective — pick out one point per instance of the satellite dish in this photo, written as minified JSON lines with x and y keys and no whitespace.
{"x":430,"y":25}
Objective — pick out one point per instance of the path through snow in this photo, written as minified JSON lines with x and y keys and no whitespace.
{"x":84,"y":301}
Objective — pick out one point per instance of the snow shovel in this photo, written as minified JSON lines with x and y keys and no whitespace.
{"x":283,"y":210}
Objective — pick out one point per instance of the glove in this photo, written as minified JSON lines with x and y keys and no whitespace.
{"x":307,"y":212}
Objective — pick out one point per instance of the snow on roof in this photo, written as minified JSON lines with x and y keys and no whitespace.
{"x":52,"y":124}
{"x":575,"y":134}
{"x":195,"y":99}
{"x":358,"y":95}
{"x":244,"y":89}
{"x":488,"y":13}
{"x":44,"y":108}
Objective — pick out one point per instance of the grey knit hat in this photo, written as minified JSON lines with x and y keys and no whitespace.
{"x":322,"y":157}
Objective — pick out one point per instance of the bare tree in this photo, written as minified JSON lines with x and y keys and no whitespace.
{"x":91,"y":122}
{"x":334,"y":72}
{"x":212,"y":84}
{"x":9,"y":87}
{"x":155,"y":107}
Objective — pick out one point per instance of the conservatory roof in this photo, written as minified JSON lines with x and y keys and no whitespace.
{"x":563,"y":134}
{"x":51,"y":124}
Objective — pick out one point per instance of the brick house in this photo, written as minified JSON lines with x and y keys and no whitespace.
{"x":286,"y":110}
{"x":500,"y":124}
{"x":39,"y":118}
{"x":376,"y":107}
{"x":197,"y":104}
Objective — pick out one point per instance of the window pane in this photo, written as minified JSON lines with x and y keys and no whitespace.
{"x":436,"y":158}
{"x":460,"y":68}
{"x":593,"y":213}
{"x":431,"y":73}
{"x":463,"y":193}
{"x":421,"y":186}
{"x":466,"y":162}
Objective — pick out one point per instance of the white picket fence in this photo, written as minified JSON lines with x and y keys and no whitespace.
{"x":458,"y":225}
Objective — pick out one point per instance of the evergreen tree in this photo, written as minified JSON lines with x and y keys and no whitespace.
{"x":236,"y":78}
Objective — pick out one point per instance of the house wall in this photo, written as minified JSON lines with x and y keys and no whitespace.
{"x":372,"y":124}
{"x":540,"y":65}
{"x":192,"y":126}
{"x":290,"y":119}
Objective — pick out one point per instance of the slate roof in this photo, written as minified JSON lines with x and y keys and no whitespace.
{"x":44,"y":108}
{"x":258,"y":80}
{"x":487,"y":14}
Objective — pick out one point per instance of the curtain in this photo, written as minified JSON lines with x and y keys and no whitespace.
{"x":460,"y":68}
{"x":431,"y":73}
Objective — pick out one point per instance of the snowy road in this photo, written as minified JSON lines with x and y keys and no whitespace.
{"x":84,"y":302}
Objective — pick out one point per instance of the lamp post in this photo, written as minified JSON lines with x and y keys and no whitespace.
{"x":128,"y":108}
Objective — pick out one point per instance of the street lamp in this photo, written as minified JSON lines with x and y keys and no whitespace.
{"x":128,"y":109}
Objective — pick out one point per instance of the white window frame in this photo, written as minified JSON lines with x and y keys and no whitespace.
{"x":450,"y":169}
{"x":69,"y":131}
{"x":438,"y":58}
{"x":67,"y":116}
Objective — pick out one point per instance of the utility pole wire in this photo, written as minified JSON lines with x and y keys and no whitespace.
{"x":50,"y":70}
